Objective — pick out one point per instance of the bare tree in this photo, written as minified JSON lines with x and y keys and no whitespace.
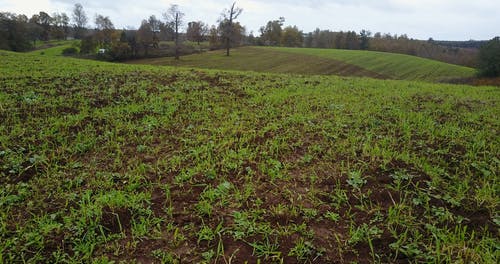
{"x":80,"y":20}
{"x":226,"y":21}
{"x":174,"y":18}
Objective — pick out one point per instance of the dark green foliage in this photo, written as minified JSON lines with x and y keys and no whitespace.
{"x":88,"y":45}
{"x":14,"y":33}
{"x":489,"y":59}
{"x":292,"y":37}
{"x":364,"y":39}
{"x":120,"y":51}
{"x":69,"y":51}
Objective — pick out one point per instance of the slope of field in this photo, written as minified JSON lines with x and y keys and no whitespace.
{"x":322,"y":62}
{"x":264,"y":60}
{"x":55,"y":48}
{"x":397,"y":66}
{"x":105,"y":162}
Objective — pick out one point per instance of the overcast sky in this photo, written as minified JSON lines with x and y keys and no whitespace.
{"x":421,"y":19}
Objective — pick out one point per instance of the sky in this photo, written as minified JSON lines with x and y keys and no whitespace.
{"x":420,"y":19}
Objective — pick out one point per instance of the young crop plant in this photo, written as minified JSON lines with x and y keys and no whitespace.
{"x":104,"y":163}
{"x":356,"y":179}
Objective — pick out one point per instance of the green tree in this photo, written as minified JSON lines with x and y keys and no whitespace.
{"x":271,"y":33}
{"x":14,"y":33}
{"x":489,"y":59}
{"x":145,"y":36}
{"x":292,"y":37}
{"x":364,"y":39}
{"x":196,"y":31}
{"x":88,"y":45}
{"x":105,"y":29}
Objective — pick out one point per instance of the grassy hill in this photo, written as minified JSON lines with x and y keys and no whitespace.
{"x":397,"y":66}
{"x":105,"y":162}
{"x":323,"y":62}
{"x":54,"y":48}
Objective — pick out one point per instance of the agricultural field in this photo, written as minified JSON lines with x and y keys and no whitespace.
{"x":379,"y":65}
{"x":112,"y":163}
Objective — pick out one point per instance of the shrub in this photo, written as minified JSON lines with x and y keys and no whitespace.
{"x":120,"y":51}
{"x":69,"y":51}
{"x":489,"y":59}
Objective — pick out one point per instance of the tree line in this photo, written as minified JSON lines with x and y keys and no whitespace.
{"x":274,"y":33}
{"x":20,"y":33}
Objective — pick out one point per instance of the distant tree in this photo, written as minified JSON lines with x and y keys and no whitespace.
{"x":364,"y":39}
{"x":226,"y":23}
{"x":123,"y":37}
{"x":88,"y":45}
{"x":489,"y":59}
{"x":213,"y":38}
{"x":196,"y":31}
{"x":352,"y":41}
{"x":14,"y":32}
{"x":105,"y":30}
{"x":44,"y":21}
{"x":167,"y":33}
{"x":271,"y":33}
{"x":251,"y":39}
{"x":79,"y":21}
{"x":292,"y":37}
{"x":175,"y":18}
{"x":237,"y":34}
{"x":145,"y":36}
{"x":130,"y":37}
{"x":120,"y":51}
{"x":308,"y":40}
{"x":340,"y":40}
{"x":65,"y":24}
{"x":59,"y":26}
{"x":155,"y":25}
{"x":34,"y":32}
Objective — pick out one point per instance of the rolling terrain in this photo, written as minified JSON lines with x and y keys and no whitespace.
{"x":103,"y":162}
{"x":324,"y":62}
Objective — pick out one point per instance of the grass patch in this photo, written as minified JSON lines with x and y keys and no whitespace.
{"x":322,"y":62}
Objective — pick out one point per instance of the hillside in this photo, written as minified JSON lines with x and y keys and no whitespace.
{"x":104,"y":162}
{"x":397,"y":66}
{"x":322,"y":62}
{"x":55,"y":48}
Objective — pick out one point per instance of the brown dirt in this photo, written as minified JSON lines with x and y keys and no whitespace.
{"x":116,"y":220}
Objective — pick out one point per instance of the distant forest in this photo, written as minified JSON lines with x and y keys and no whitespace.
{"x":20,"y":33}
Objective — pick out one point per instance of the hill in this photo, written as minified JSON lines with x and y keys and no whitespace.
{"x":323,"y":62}
{"x":105,"y":162}
{"x":54,"y":48}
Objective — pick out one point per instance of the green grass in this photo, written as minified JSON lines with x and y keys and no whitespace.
{"x":105,"y":162}
{"x":56,"y":47}
{"x":322,"y":62}
{"x":262,"y":60}
{"x":397,"y":66}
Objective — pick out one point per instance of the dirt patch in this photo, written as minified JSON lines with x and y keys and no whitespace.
{"x":116,"y":220}
{"x":28,"y":172}
{"x":477,"y":220}
{"x":237,"y":251}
